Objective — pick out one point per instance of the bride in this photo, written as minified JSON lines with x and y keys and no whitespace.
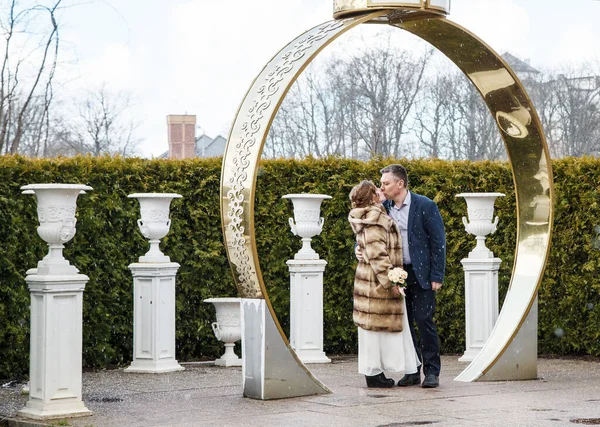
{"x":384,"y":340}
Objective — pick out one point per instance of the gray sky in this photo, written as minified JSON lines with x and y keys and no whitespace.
{"x":200,"y":56}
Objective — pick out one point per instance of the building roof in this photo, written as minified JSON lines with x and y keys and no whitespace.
{"x":518,"y":65}
{"x":209,"y":147}
{"x":205,"y":147}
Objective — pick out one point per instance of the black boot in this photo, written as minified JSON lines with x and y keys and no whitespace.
{"x":379,"y":381}
{"x":431,"y":381}
{"x":410,"y":379}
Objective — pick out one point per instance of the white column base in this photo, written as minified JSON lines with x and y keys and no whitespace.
{"x":307,"y":356}
{"x":39,"y":411}
{"x":55,"y":347}
{"x":153,"y":367}
{"x":154,"y":318}
{"x":481,"y":303}
{"x":306,"y":309}
{"x":229,"y":358}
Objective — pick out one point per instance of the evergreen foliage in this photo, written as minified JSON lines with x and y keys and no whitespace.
{"x":108,"y":240}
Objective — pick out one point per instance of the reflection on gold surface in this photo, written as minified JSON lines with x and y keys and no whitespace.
{"x":508,"y":103}
{"x":541,"y":203}
{"x":490,"y":80}
{"x":527,"y":151}
{"x":512,"y":124}
{"x":345,"y":8}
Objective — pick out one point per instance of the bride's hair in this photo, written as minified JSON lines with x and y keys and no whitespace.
{"x":362,"y":194}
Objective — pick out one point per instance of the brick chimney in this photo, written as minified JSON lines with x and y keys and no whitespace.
{"x":182,"y":136}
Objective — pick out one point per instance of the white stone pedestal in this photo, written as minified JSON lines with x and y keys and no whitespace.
{"x":481,"y":302}
{"x":55,"y":347}
{"x":306,"y":309}
{"x":154,"y":318}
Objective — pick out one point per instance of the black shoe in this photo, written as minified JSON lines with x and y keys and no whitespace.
{"x":431,"y":381}
{"x":379,"y":381}
{"x":409,"y":379}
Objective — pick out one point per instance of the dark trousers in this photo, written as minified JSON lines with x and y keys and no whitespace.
{"x":420,"y":304}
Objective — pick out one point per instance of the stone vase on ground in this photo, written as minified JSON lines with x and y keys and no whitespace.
{"x":227,"y":328}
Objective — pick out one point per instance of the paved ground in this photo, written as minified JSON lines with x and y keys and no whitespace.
{"x":567,"y":393}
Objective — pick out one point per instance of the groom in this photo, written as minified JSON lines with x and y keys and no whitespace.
{"x":424,"y":259}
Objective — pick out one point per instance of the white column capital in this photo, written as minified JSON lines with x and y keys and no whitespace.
{"x":153,"y":268}
{"x":306,"y":265}
{"x":56,"y":283}
{"x":481,"y":263}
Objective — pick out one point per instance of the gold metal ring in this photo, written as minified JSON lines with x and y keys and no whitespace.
{"x":508,"y":103}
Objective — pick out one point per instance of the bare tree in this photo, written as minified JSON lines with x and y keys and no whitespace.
{"x":296,"y":130}
{"x":432,"y":117}
{"x":27,"y":72}
{"x":388,"y":102}
{"x":310,"y":120}
{"x":574,"y":108}
{"x":357,"y":106}
{"x":102,"y":125}
{"x":453,"y":122}
{"x":541,"y":89}
{"x":381,"y":87}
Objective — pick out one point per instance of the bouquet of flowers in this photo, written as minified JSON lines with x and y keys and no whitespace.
{"x":398,"y":277}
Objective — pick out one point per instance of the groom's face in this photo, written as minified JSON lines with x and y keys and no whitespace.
{"x":391,"y":186}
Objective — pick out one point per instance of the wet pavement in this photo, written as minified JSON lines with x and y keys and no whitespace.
{"x":566,"y":393}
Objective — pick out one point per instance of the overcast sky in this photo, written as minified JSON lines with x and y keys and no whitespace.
{"x":200,"y":56}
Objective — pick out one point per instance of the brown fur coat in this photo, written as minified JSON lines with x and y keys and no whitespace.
{"x":376,"y":308}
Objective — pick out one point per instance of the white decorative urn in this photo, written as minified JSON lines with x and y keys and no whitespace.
{"x":309,"y":222}
{"x":480,"y":208}
{"x":227,"y":328}
{"x":155,"y":222}
{"x":56,"y":205}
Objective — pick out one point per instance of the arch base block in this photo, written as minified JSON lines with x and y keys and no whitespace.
{"x":269,"y":368}
{"x":519,"y":360}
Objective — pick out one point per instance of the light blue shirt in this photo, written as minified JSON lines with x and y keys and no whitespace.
{"x":400,"y":215}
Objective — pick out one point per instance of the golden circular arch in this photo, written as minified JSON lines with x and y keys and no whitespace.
{"x":508,"y":103}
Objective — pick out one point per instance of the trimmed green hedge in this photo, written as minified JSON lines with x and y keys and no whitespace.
{"x":107,"y":241}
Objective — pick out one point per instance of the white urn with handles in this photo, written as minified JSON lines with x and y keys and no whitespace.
{"x":154,"y":223}
{"x":309,"y":222}
{"x":56,"y":205}
{"x":480,"y":209}
{"x":227,"y":328}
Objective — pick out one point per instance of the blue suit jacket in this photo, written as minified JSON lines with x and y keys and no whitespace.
{"x":426,"y":239}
